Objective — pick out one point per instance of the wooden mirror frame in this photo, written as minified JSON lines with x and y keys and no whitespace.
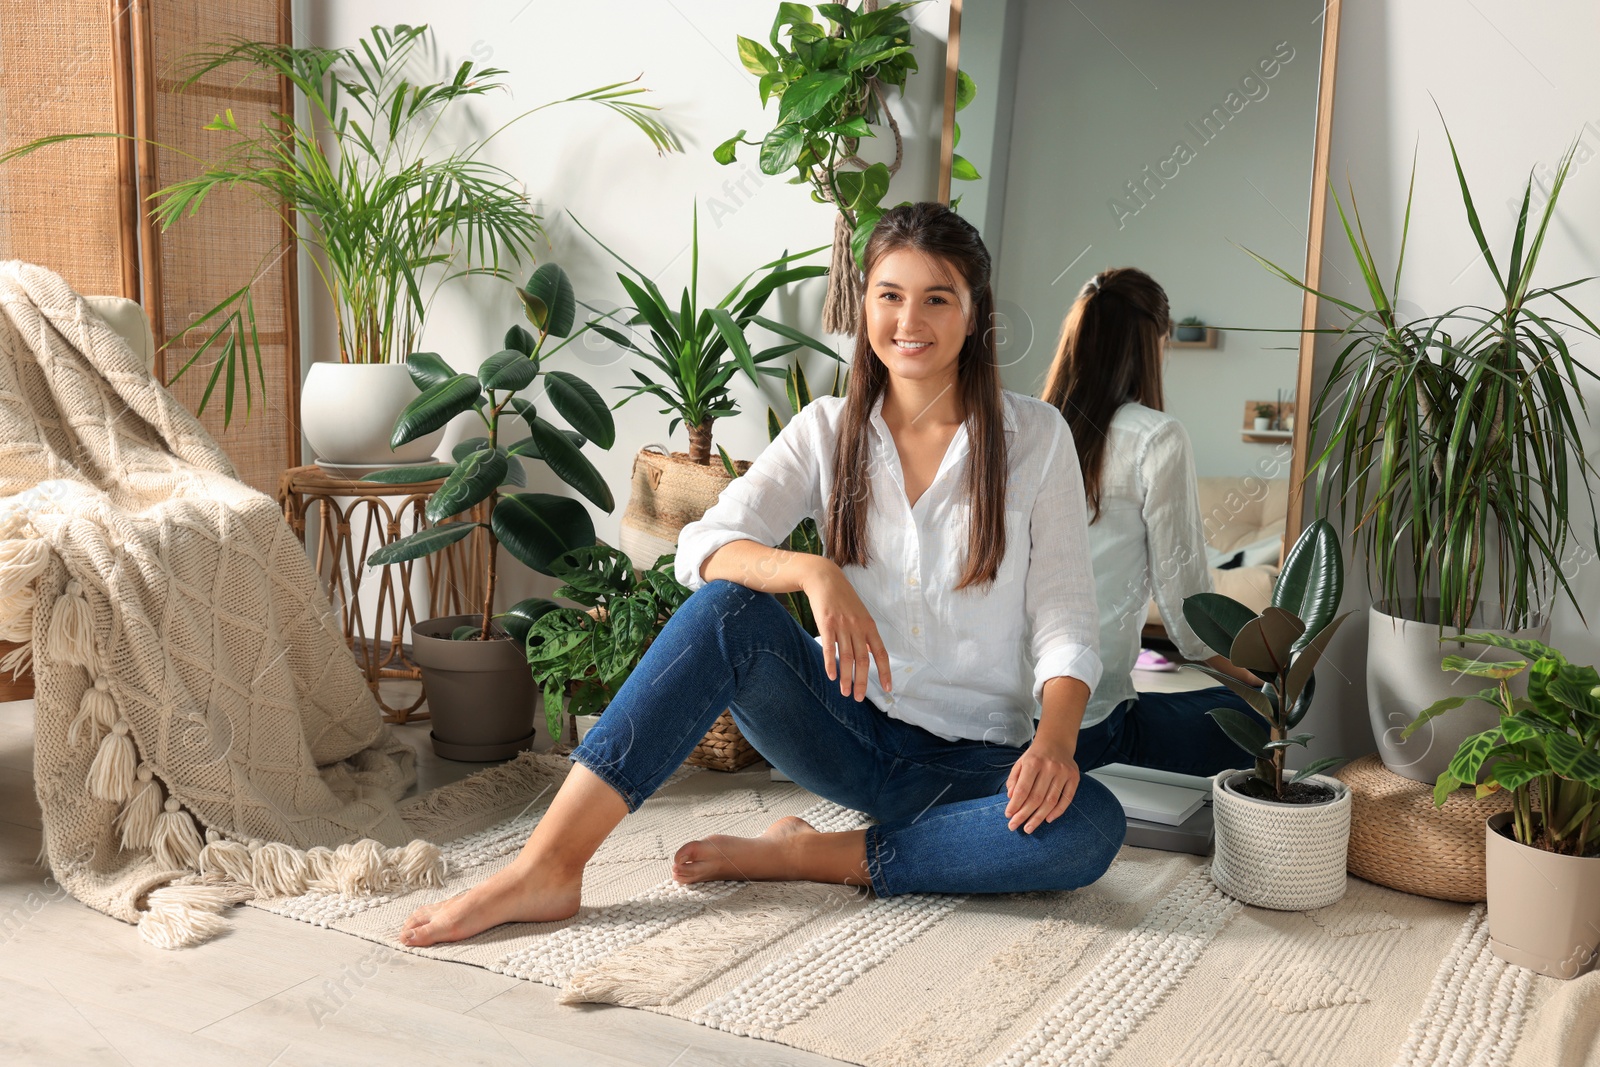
{"x":1306,"y":374}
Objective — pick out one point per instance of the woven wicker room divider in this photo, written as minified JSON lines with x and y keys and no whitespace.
{"x":235,"y":238}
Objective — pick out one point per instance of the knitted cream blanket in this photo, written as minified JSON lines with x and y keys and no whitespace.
{"x":190,"y":678}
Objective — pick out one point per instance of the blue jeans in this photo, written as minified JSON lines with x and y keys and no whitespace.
{"x":1167,"y":731}
{"x":939,"y":805}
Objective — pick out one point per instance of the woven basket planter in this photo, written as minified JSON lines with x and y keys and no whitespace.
{"x":723,"y":748}
{"x":667,"y":493}
{"x":1289,"y":857}
{"x":1400,"y":840}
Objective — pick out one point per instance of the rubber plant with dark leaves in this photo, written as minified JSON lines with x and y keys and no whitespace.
{"x":1282,"y":644}
{"x":587,"y":653}
{"x":536,"y":528}
{"x":1545,"y":748}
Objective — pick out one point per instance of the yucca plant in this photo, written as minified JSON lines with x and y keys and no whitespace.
{"x":1282,"y":644}
{"x":388,"y":215}
{"x":1545,"y":748}
{"x":695,"y":352}
{"x":1451,"y":439}
{"x":536,"y":528}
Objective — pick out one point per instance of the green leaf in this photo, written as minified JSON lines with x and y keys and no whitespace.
{"x":435,"y":407}
{"x":1316,"y":767}
{"x":962,"y":170}
{"x":1264,"y":643}
{"x":1570,"y":759}
{"x":472,"y":481}
{"x":570,"y":464}
{"x":866,"y":222}
{"x":781,"y":148}
{"x":521,"y":616}
{"x":809,"y":95}
{"x":1305,"y":662}
{"x":1439,"y":707}
{"x":1258,"y":699}
{"x":756,"y":58}
{"x":1216,"y":619}
{"x":1311,"y":583}
{"x":578,"y":402}
{"x":733,"y":335}
{"x":1483,"y":668}
{"x":1469,"y":758}
{"x":1512,"y":773}
{"x":1303,"y":740}
{"x":726,"y":152}
{"x":856,"y":127}
{"x":507,"y":371}
{"x":536,"y":528}
{"x":520,"y":340}
{"x":422,"y":543}
{"x":966,"y":89}
{"x":549,"y":300}
{"x":1446,"y":784}
{"x":727,"y":462}
{"x":468,"y":447}
{"x":466,"y":633}
{"x":428,"y":369}
{"x":1242,"y":730}
{"x":421,"y":472}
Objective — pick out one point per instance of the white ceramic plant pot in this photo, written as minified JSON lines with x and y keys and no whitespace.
{"x":585,"y":723}
{"x":1544,"y":909}
{"x":1404,"y":676}
{"x":1290,"y":857}
{"x":348,"y":410}
{"x":1263,"y":423}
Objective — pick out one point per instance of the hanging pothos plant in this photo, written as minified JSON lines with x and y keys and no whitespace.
{"x":830,"y":82}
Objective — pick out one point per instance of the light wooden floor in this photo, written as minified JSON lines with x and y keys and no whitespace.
{"x":79,"y":988}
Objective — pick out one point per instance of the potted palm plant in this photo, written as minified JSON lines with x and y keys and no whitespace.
{"x":690,"y":355}
{"x":388,"y":216}
{"x":1543,"y":856}
{"x":480,"y":689}
{"x":1282,"y":837}
{"x":1452,"y":441}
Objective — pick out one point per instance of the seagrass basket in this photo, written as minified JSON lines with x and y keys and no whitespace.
{"x":1399,"y":839}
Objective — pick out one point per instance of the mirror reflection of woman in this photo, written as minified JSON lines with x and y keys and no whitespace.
{"x":1145,"y":528}
{"x":955,"y":605}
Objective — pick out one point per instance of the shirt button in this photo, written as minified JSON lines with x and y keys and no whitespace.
{"x":911,"y":580}
{"x":916,"y":631}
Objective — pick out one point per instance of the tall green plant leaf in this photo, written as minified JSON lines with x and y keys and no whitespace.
{"x":434,"y":408}
{"x":536,"y":528}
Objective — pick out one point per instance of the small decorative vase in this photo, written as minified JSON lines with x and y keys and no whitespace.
{"x":1263,"y":423}
{"x":1289,"y":857}
{"x":1544,"y":909}
{"x":348,"y":411}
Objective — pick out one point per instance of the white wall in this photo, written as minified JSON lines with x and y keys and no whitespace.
{"x":1517,"y":83}
{"x":580,"y":159}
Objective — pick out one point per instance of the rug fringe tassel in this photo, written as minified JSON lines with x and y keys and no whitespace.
{"x":21,"y":561}
{"x":175,"y":842}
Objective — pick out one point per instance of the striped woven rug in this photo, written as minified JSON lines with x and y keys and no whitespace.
{"x":1152,"y":965}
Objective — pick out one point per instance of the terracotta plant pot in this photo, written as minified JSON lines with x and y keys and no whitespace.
{"x":1404,"y":677}
{"x":480,"y":693}
{"x":1544,"y":909}
{"x":668,"y":493}
{"x":1289,"y":857}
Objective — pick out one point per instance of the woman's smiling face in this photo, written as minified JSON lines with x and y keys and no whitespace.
{"x":919,"y":313}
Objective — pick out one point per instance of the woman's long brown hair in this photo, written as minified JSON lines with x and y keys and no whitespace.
{"x":1109,"y":354}
{"x":939,"y":233}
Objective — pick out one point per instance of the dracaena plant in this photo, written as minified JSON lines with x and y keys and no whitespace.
{"x":536,"y":528}
{"x":1452,"y":439}
{"x":585,"y":654}
{"x":692,"y":352}
{"x":1282,"y":644}
{"x":1545,"y":748}
{"x":829,"y":84}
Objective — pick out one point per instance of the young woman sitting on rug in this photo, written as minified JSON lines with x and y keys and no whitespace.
{"x":957,"y":557}
{"x":1145,"y":531}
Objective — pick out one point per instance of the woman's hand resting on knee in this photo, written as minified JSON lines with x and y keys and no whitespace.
{"x":1041,"y":785}
{"x":850,"y":640}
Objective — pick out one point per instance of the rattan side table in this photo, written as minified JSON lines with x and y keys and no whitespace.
{"x":355,"y":519}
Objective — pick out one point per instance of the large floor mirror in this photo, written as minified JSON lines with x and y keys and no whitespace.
{"x":1168,"y":136}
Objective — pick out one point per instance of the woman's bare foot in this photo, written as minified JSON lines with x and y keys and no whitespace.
{"x":520,"y":893}
{"x":720,"y":857}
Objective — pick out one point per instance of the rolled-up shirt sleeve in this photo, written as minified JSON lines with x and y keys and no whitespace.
{"x":765,"y":504}
{"x":1059,"y":593}
{"x":1175,"y":533}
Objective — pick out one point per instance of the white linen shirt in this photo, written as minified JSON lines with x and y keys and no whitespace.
{"x":1148,"y":541}
{"x":964,"y":664}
